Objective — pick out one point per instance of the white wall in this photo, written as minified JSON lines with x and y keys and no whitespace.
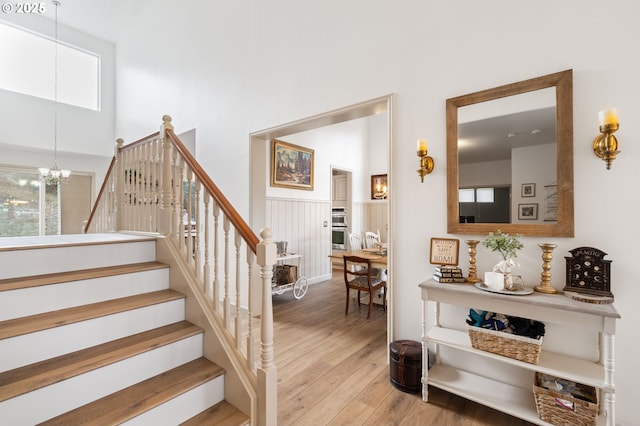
{"x":530,"y":165}
{"x":28,"y":121}
{"x":229,"y":69}
{"x":85,"y":138}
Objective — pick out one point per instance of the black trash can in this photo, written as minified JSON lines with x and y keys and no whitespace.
{"x":405,"y":365}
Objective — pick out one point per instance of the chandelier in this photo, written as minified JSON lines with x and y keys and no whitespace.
{"x":54,"y":175}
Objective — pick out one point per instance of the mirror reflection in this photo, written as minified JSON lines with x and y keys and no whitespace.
{"x":507,"y":158}
{"x":510,"y":162}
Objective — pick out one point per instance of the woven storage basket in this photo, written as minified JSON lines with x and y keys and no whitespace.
{"x":565,"y":410}
{"x":513,"y":346}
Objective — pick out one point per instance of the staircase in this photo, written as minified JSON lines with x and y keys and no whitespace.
{"x":90,"y":332}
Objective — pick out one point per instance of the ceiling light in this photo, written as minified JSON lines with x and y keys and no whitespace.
{"x":54,"y":175}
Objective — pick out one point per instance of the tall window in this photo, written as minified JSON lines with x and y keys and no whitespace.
{"x":28,"y":63}
{"x":27,"y":206}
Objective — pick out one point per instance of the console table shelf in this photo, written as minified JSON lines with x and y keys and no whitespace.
{"x":518,"y":400}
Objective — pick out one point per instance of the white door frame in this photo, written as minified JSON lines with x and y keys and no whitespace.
{"x":259,"y":160}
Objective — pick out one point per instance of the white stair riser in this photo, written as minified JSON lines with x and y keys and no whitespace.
{"x":34,"y":300}
{"x":42,"y":404}
{"x":19,"y":263}
{"x":184,"y":406}
{"x":26,"y":349}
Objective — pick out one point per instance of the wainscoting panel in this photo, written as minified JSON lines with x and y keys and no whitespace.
{"x":301,"y":224}
{"x":371,"y":216}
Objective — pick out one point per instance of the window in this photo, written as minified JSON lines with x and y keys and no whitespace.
{"x":467,"y":195}
{"x":27,"y":207}
{"x":28,"y":63}
{"x":484,"y":195}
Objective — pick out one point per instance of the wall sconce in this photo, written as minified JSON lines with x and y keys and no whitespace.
{"x":605,"y":146}
{"x":426,"y":162}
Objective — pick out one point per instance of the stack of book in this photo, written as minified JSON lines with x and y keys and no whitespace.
{"x":448,"y":274}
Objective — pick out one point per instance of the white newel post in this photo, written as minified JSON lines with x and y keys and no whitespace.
{"x":118,"y":199}
{"x":267,"y":375}
{"x":164,"y":224}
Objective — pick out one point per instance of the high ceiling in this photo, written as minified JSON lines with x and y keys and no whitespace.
{"x":493,"y":139}
{"x":97,"y":18}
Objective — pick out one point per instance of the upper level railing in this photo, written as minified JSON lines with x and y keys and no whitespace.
{"x":155,"y":185}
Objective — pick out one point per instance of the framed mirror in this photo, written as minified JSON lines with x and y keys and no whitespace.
{"x":510,"y":159}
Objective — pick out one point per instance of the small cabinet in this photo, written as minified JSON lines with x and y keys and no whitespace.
{"x":340,"y":188}
{"x":517,"y":400}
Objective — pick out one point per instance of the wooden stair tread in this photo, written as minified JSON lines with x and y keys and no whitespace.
{"x":135,"y":400}
{"x":47,"y":320}
{"x":83,"y":274}
{"x":31,"y":377}
{"x":61,"y":241}
{"x":223,"y":414}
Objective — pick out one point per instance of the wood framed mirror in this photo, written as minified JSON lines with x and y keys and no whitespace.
{"x":512,"y":146}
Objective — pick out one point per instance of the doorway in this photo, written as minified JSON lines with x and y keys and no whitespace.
{"x":259,"y":152}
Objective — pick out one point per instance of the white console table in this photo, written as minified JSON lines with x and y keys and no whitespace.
{"x":518,"y":400}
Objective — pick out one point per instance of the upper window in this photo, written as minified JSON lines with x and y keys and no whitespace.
{"x":28,"y":67}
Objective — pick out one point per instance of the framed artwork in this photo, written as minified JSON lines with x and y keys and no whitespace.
{"x":291,"y":166}
{"x":379,"y":187}
{"x":528,"y":211}
{"x":444,"y":251}
{"x":528,"y":190}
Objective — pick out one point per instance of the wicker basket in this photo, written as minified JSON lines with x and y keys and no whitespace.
{"x":566,"y":410}
{"x":513,"y":346}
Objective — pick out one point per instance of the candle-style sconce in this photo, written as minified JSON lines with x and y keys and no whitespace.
{"x":426,"y":162}
{"x":605,"y":146}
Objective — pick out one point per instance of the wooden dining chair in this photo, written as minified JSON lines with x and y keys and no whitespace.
{"x":362,"y":279}
{"x":355,"y":241}
{"x":371,"y":239}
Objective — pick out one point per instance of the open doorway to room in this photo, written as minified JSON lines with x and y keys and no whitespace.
{"x":303,"y":217}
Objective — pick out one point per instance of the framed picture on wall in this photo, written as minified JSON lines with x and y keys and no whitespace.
{"x":291,"y":166}
{"x":379,"y":187}
{"x":528,"y":211}
{"x":528,"y":190}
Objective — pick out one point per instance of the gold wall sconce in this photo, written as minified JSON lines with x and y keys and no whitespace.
{"x":426,"y":162}
{"x":605,"y":146}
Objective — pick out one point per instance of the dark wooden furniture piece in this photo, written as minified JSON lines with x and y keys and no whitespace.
{"x":358,"y":275}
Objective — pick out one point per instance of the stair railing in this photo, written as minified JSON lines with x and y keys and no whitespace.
{"x":155,"y":185}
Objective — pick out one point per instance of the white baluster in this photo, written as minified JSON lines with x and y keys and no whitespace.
{"x":216,"y":257}
{"x":227,"y":302}
{"x":207,"y":268}
{"x":238,"y":241}
{"x":251,"y":261}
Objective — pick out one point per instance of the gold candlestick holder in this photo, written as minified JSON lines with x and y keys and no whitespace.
{"x":472,"y":278}
{"x":545,"y":276}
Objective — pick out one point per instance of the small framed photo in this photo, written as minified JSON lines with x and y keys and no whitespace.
{"x":444,"y":251}
{"x":528,"y":211}
{"x":528,"y":190}
{"x":379,"y":187}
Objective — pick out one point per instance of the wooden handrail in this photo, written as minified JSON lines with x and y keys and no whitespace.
{"x":239,"y":224}
{"x":99,"y":197}
{"x":139,"y":141}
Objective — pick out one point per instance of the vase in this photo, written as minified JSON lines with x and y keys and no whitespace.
{"x":505,"y":267}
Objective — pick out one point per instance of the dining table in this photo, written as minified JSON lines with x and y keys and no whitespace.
{"x":377,"y":256}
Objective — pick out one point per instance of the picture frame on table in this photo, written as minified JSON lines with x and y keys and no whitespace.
{"x":528,"y":190}
{"x":291,"y":166}
{"x":444,"y":251}
{"x":528,"y":211}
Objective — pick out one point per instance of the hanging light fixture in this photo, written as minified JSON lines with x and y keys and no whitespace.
{"x":54,"y":175}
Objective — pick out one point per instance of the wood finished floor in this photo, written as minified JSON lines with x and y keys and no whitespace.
{"x":332,"y":369}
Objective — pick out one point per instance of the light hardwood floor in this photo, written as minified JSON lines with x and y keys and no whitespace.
{"x":332,"y":368}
